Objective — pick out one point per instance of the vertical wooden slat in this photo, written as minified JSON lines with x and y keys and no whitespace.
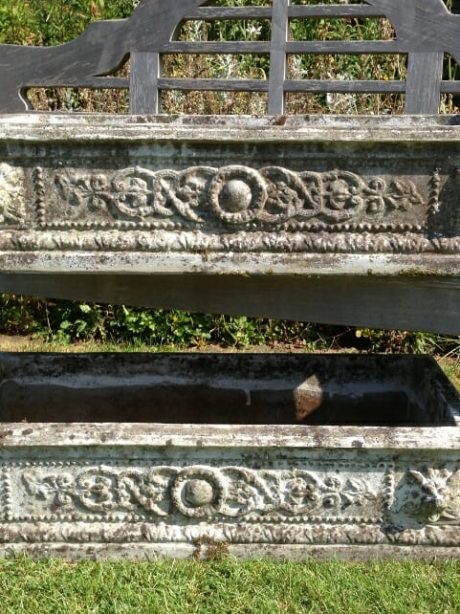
{"x":144,"y":93}
{"x":280,"y":27}
{"x":423,"y":91}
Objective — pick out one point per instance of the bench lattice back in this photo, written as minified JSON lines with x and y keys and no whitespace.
{"x":425,"y":30}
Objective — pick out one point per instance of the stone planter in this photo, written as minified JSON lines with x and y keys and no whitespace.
{"x":288,"y":456}
{"x":338,"y":220}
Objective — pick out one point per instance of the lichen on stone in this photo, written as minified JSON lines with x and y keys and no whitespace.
{"x":11,"y":195}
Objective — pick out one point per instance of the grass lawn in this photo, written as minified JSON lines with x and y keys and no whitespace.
{"x":228,"y":587}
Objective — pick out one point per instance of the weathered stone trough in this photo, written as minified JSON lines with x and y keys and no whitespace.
{"x":205,"y":455}
{"x":335,"y":220}
{"x":330,"y":219}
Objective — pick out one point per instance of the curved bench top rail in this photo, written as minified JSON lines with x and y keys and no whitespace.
{"x":425,"y":30}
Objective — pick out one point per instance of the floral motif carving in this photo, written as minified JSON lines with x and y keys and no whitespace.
{"x":206,"y":492}
{"x":236,"y":196}
{"x":199,"y":492}
{"x":319,"y":502}
{"x":11,"y":196}
{"x":347,"y":195}
{"x":307,"y":491}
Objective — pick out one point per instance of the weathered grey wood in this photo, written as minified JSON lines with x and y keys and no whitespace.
{"x":240,"y":47}
{"x":336,"y":10}
{"x":345,"y":47}
{"x":227,"y":85}
{"x":291,"y":47}
{"x":278,"y":65}
{"x":450,"y":87}
{"x":144,"y":92}
{"x":211,"y":13}
{"x":425,"y":30}
{"x":402,"y":303}
{"x":424,"y":82}
{"x":358,"y":86}
{"x":115,"y":83}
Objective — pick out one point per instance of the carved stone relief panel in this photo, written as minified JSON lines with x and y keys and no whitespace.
{"x":292,"y":501}
{"x":233,"y":198}
{"x":232,"y":208}
{"x":319,"y":491}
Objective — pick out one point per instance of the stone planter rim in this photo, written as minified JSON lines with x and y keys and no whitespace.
{"x":198,"y":436}
{"x":56,"y":127}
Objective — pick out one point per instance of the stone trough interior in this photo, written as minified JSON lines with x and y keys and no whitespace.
{"x":226,"y":389}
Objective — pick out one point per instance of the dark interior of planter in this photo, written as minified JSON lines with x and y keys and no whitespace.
{"x":208,"y":405}
{"x":226,"y":390}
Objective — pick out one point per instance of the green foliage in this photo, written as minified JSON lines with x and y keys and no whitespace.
{"x":66,"y":322}
{"x":53,"y":22}
{"x":401,"y":342}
